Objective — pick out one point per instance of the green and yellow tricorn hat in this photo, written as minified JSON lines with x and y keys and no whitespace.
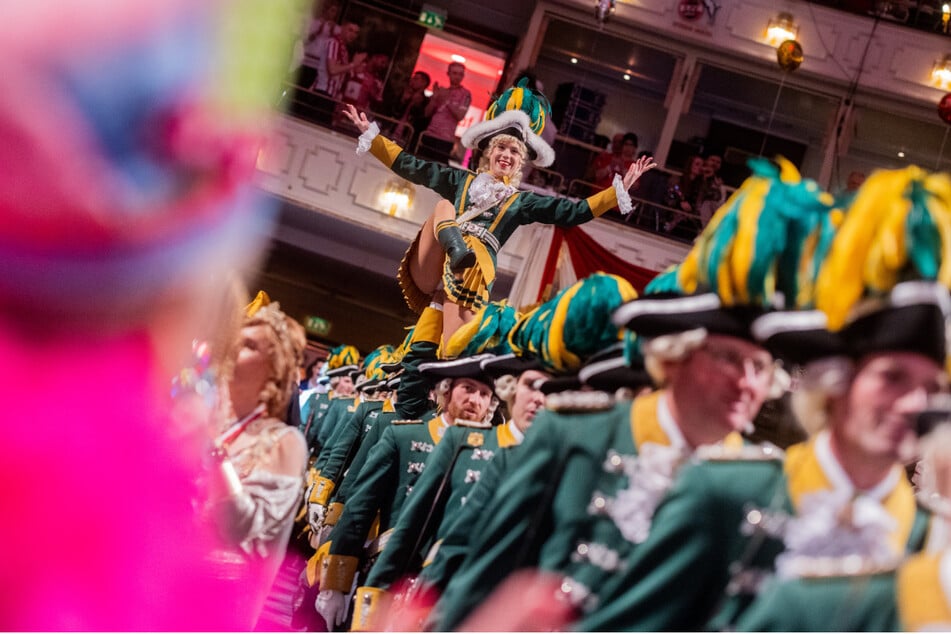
{"x":343,"y":360}
{"x":520,"y":112}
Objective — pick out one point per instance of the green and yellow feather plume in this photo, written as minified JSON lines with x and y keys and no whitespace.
{"x":898,"y":228}
{"x":567,"y":329}
{"x":487,"y":331}
{"x":754,"y":245}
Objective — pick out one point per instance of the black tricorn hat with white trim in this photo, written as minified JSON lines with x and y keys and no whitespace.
{"x":657,"y":315}
{"x":511,"y":363}
{"x":911,"y":318}
{"x":462,"y":367}
{"x":610,"y":370}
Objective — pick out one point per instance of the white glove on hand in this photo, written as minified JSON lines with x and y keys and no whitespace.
{"x":315,"y":516}
{"x":332,"y":606}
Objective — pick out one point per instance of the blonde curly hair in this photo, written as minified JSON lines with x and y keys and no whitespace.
{"x":496,"y":140}
{"x":287,"y":355}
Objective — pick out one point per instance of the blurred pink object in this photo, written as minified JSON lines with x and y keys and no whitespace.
{"x":527,"y":601}
{"x":125,"y":198}
{"x":99,"y":530}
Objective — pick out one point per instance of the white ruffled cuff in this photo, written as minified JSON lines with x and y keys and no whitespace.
{"x":363,"y":143}
{"x":623,"y":198}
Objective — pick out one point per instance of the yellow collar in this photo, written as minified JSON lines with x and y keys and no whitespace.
{"x":811,"y":467}
{"x":509,"y":435}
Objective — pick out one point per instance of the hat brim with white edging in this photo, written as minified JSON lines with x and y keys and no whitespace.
{"x":912,"y":319}
{"x":343,"y":370}
{"x":465,"y":367}
{"x":516,"y":123}
{"x":654,"y":317}
{"x":556,"y":384}
{"x":609,"y":370}
{"x":500,"y":365}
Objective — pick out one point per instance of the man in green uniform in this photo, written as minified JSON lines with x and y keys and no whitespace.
{"x":581,"y":493}
{"x":453,"y":469}
{"x":853,"y":567}
{"x":342,"y":361}
{"x":607,"y":373}
{"x":394,"y":464}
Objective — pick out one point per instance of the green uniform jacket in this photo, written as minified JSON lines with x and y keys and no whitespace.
{"x":347,"y":441}
{"x":438,"y":496}
{"x":392,"y":468}
{"x":562,"y":506}
{"x":501,"y":221}
{"x":864,"y":603}
{"x":374,"y":426}
{"x":454,"y":542}
{"x":321,"y":404}
{"x":316,"y":403}
{"x":722,"y":515}
{"x":340,"y":408}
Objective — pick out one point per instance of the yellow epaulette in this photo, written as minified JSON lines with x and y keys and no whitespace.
{"x":830,"y":567}
{"x":406,"y":421}
{"x":751,"y":453}
{"x":579,"y":401}
{"x":474,"y":424}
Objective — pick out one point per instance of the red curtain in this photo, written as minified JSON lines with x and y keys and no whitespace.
{"x":587,"y":257}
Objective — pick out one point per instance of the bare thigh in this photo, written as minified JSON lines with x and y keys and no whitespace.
{"x":454,"y":317}
{"x":427,"y":263}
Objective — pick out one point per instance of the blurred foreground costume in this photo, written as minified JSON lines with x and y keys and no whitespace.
{"x":128,"y":145}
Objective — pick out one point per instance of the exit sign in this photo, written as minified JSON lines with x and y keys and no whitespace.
{"x":317,"y":325}
{"x":433,"y":17}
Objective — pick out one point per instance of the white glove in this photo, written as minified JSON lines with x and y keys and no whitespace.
{"x":315,"y":516}
{"x":332,"y":605}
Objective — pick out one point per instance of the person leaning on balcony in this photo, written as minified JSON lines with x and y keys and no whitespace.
{"x":446,"y":108}
{"x":337,"y":62}
{"x":483,"y":209}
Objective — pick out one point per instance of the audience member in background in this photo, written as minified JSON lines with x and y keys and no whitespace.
{"x":711,"y":189}
{"x":855,"y":180}
{"x":319,"y":31}
{"x":650,"y":188}
{"x":365,"y":88}
{"x":617,"y":161}
{"x":683,"y":192}
{"x":337,"y":63}
{"x":409,"y":107}
{"x":447,"y":107}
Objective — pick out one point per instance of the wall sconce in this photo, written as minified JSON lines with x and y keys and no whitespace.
{"x":945,"y":16}
{"x":780,"y":29}
{"x":397,"y":197}
{"x":941,"y":73}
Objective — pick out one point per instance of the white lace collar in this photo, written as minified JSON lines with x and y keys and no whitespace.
{"x":485,"y":192}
